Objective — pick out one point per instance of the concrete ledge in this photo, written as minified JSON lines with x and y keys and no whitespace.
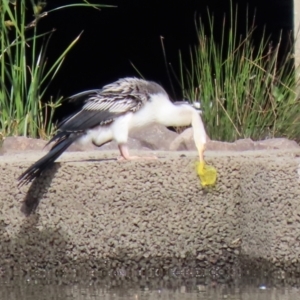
{"x":94,"y":213}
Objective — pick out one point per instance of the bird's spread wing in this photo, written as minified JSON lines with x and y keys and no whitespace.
{"x":102,"y":108}
{"x":98,"y":107}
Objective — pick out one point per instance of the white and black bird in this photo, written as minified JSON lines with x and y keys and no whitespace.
{"x":111,"y":113}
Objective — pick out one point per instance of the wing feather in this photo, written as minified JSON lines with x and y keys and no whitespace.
{"x":102,"y":109}
{"x":103,"y":106}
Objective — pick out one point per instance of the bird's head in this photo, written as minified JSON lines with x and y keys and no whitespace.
{"x":195,"y":104}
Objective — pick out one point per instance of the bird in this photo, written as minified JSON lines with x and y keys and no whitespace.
{"x":111,"y":113}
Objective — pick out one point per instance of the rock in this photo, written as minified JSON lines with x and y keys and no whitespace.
{"x":154,"y":137}
{"x":21,"y":143}
{"x":78,"y":147}
{"x":183,"y":141}
{"x":132,"y":144}
{"x":244,"y":145}
{"x":220,"y":146}
{"x":239,"y":145}
{"x":276,"y":143}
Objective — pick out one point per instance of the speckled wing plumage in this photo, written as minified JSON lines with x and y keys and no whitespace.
{"x":103,"y":106}
{"x":100,"y":107}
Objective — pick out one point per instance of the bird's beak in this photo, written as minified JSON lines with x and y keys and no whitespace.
{"x":201,"y":150}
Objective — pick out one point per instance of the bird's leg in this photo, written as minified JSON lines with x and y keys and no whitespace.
{"x":125,"y":154}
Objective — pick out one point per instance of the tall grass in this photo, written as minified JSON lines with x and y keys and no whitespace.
{"x":24,"y":73}
{"x":245,"y":92}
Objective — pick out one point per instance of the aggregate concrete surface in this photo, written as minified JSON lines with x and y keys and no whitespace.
{"x":91,"y":212}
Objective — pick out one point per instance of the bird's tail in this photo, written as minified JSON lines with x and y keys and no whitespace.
{"x":63,"y":141}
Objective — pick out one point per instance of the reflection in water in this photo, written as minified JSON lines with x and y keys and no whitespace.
{"x":116,"y":286}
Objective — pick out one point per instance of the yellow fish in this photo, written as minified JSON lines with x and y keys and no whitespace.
{"x":207,"y":174}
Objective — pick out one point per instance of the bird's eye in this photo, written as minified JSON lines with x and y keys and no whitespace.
{"x":197,"y":104}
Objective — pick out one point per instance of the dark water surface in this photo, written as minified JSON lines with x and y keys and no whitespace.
{"x":117,"y":286}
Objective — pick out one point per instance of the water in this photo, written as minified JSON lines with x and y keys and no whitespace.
{"x":139,"y":288}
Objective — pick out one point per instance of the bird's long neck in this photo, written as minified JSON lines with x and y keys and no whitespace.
{"x":198,"y":129}
{"x":169,"y":114}
{"x":199,"y":134}
{"x":184,"y":115}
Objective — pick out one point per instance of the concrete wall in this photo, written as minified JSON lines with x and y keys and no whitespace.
{"x":94,"y":213}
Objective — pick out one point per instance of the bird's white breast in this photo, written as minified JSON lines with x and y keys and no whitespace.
{"x":156,"y":110}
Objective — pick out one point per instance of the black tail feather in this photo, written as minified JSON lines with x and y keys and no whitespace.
{"x":34,"y":171}
{"x":59,"y":136}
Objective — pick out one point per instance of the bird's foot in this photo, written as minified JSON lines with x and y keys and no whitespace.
{"x":122,"y":158}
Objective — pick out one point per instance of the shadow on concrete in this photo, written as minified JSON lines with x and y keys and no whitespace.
{"x":38,"y":189}
{"x":92,"y":160}
{"x":41,"y":253}
{"x":41,"y":184}
{"x":34,"y":249}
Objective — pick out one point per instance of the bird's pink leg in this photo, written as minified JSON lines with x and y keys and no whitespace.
{"x":125,"y":154}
